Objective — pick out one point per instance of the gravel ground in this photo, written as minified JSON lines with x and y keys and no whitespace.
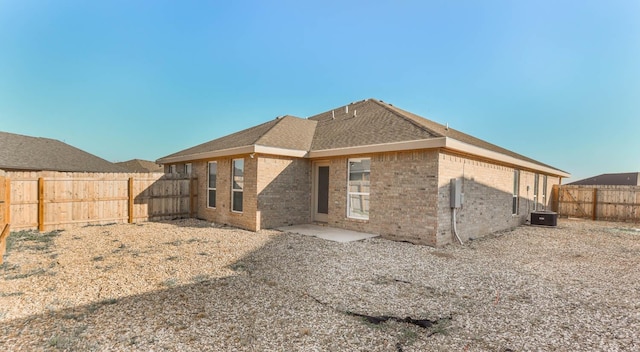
{"x":191,"y":286}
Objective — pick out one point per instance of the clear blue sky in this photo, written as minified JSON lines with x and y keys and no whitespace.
{"x":558,"y":81}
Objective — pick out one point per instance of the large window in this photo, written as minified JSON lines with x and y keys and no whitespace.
{"x":237,"y":186}
{"x":536,"y":181}
{"x":358,"y":188}
{"x":173,"y":168}
{"x":187,"y":169}
{"x":213,"y":176}
{"x":516,"y":189}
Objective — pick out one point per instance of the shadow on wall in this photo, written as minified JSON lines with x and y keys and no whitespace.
{"x":484,"y":210}
{"x":285,"y":198}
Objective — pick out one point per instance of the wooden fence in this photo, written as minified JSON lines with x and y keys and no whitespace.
{"x":5,"y":201}
{"x":611,"y":203}
{"x":49,"y":200}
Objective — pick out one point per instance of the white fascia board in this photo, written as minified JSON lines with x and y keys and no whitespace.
{"x":379,"y":148}
{"x":456,"y":145}
{"x":207,"y":155}
{"x":261,"y":149}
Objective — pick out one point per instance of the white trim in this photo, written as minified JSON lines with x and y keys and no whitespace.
{"x":377,"y":148}
{"x":439,"y":142}
{"x":215,"y":188}
{"x":235,"y":151}
{"x":349,"y":193}
{"x":234,"y":190}
{"x":454,"y":144}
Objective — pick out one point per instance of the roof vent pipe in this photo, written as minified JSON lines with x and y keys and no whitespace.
{"x":355,"y":113}
{"x":333,"y":115}
{"x":346,"y":109}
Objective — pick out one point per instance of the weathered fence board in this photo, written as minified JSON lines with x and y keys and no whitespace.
{"x":5,"y":215}
{"x":49,"y":200}
{"x":612,"y":203}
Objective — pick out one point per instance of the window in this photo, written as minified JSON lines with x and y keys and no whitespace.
{"x":516,"y":187}
{"x":237,"y":185}
{"x":172,"y":169}
{"x":544,"y":192}
{"x":187,"y":169}
{"x":358,"y":188}
{"x":213,"y":176}
{"x":536,"y":179}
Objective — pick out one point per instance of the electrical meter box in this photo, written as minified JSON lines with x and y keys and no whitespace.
{"x":456,"y":193}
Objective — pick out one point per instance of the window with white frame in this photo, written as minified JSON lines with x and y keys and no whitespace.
{"x":536,"y":181}
{"x":516,"y":190}
{"x":213,"y":176}
{"x":173,"y":169}
{"x":187,"y":169}
{"x":358,"y":188}
{"x":544,"y":192}
{"x":237,"y":185}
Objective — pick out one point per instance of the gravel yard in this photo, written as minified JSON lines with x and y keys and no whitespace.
{"x":190,"y":286}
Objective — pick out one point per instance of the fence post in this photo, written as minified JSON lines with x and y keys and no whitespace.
{"x":7,"y":200}
{"x":595,"y":204}
{"x":131,"y":200}
{"x":190,"y":197}
{"x":40,"y":204}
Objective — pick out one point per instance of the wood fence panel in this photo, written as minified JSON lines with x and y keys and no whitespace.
{"x":67,"y":199}
{"x":612,"y":203}
{"x":5,"y":215}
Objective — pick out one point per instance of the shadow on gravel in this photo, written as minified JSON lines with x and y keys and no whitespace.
{"x":271,"y":303}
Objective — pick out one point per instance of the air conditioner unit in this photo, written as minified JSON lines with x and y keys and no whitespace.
{"x":544,"y":218}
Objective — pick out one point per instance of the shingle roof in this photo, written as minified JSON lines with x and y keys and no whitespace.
{"x":138,"y":165}
{"x":18,"y":152}
{"x":364,"y":123}
{"x":287,"y":132}
{"x":620,"y":179}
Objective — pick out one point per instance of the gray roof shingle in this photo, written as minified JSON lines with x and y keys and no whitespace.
{"x":19,"y":152}
{"x":620,"y":179}
{"x":363,"y":123}
{"x":138,"y":165}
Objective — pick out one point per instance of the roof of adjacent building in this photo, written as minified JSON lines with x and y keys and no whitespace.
{"x":139,"y":165}
{"x":19,"y":152}
{"x":619,"y":179}
{"x":366,"y":123}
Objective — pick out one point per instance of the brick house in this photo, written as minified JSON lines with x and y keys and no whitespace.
{"x":367,"y":166}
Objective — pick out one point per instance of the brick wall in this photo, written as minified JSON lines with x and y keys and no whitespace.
{"x":403,"y":196}
{"x":222,"y":213}
{"x":488,"y":197}
{"x":284,"y":191}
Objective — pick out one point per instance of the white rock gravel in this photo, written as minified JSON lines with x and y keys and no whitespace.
{"x":191,"y":286}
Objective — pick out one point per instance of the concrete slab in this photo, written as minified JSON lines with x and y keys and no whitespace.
{"x":327,"y":233}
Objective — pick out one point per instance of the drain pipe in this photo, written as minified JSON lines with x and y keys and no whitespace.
{"x":455,"y":230}
{"x":456,"y":202}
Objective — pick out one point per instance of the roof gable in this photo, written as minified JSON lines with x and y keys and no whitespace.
{"x":18,"y":152}
{"x":365,"y":122}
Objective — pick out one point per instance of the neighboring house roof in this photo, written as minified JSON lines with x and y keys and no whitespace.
{"x":620,"y":179}
{"x":18,"y":152}
{"x":138,"y":165}
{"x":362,"y":127}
